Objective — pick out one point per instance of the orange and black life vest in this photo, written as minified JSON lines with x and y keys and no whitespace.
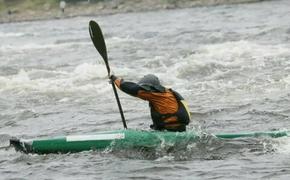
{"x":176,"y":120}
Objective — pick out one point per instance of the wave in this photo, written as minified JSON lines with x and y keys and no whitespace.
{"x":83,"y":78}
{"x":235,"y":63}
{"x":10,"y":34}
{"x":214,"y":58}
{"x":283,"y":145}
{"x":36,"y":46}
{"x":208,"y":147}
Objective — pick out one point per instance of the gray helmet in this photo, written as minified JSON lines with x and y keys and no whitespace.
{"x":151,"y":82}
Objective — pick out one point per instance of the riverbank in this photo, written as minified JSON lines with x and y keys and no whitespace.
{"x":17,"y":12}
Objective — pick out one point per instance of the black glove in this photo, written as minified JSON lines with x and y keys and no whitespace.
{"x":113,"y":78}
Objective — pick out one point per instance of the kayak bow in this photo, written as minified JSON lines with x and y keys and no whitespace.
{"x":121,"y":139}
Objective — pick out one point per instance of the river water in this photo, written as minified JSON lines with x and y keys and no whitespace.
{"x":231,"y":63}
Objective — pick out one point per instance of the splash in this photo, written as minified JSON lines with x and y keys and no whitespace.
{"x":282,"y":145}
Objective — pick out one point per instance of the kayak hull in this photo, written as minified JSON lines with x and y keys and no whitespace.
{"x":122,"y":139}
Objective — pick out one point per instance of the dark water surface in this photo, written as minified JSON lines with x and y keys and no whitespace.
{"x":230,"y":62}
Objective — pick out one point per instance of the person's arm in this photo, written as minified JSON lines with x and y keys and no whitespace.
{"x":126,"y":86}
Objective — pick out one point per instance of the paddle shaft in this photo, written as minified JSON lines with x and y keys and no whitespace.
{"x":119,"y":105}
{"x":99,"y":43}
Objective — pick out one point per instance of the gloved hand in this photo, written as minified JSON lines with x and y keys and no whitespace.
{"x":113,"y":77}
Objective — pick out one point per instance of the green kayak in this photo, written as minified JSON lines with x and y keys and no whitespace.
{"x":121,"y":139}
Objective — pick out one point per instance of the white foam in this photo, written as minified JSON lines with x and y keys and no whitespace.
{"x":35,"y":46}
{"x":232,"y":54}
{"x":215,"y":60}
{"x":241,"y":69}
{"x":121,"y":39}
{"x":88,"y":71}
{"x":283,"y":145}
{"x":82,"y":78}
{"x":10,"y":34}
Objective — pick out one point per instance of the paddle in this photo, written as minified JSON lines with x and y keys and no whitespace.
{"x":99,"y":43}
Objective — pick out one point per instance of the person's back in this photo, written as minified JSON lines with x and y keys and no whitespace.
{"x":168,"y":111}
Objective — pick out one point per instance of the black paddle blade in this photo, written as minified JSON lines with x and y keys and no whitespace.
{"x":99,"y":42}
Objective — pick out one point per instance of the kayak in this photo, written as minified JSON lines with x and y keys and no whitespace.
{"x":121,"y":139}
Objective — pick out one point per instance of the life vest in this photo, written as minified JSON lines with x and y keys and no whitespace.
{"x":182,"y":115}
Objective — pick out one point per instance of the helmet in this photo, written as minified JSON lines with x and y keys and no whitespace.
{"x":151,"y":82}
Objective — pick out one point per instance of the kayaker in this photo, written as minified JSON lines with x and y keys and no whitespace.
{"x":168,"y":109}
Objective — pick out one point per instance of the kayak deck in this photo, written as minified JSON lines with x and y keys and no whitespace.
{"x":121,"y":139}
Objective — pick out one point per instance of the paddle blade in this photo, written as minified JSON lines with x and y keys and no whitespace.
{"x":99,"y":42}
